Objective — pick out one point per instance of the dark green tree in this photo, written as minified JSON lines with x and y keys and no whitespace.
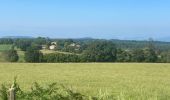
{"x":123,"y":55}
{"x":23,"y":44}
{"x":165,"y":57}
{"x":6,"y":41}
{"x":150,"y":55}
{"x":150,"y":52}
{"x":100,"y":51}
{"x":33,"y":55}
{"x":40,"y":41}
{"x":11,"y":55}
{"x":138,"y":55}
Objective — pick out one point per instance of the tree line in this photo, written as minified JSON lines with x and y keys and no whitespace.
{"x":92,"y":51}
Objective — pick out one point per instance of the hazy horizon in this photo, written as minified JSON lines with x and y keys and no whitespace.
{"x":107,"y":19}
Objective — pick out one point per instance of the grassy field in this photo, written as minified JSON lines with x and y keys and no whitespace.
{"x":1,"y":57}
{"x":127,"y":81}
{"x":8,"y":47}
{"x":5,"y":47}
{"x":52,"y":51}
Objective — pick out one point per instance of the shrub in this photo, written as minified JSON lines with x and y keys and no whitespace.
{"x":52,"y":91}
{"x":11,"y":55}
{"x":33,"y":55}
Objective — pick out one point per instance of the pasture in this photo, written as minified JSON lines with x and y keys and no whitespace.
{"x":129,"y":80}
{"x":8,"y":47}
{"x":4,"y":47}
{"x":52,"y":51}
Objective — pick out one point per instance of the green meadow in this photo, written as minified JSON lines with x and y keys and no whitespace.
{"x":130,"y":81}
{"x":4,"y":47}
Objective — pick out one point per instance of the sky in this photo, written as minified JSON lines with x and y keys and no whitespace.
{"x":122,"y":19}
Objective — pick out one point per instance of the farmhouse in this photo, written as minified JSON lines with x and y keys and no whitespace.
{"x":52,"y":47}
{"x":75,"y":46}
{"x":72,"y":45}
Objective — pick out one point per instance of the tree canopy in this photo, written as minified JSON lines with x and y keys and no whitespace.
{"x":100,"y":51}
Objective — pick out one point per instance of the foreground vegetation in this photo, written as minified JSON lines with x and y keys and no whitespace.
{"x":120,"y":81}
{"x":52,"y":91}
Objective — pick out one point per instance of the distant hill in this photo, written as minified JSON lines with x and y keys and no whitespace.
{"x":134,"y":44}
{"x":162,"y":44}
{"x":18,"y":37}
{"x":131,"y":44}
{"x":165,"y":39}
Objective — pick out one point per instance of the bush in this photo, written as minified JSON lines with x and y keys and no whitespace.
{"x":100,"y":51}
{"x":52,"y":91}
{"x":11,"y":55}
{"x":32,"y":55}
{"x":3,"y":92}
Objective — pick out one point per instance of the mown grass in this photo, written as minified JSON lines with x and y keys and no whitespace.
{"x":8,"y":47}
{"x":5,"y":47}
{"x":129,"y":81}
{"x":52,"y":51}
{"x":1,"y":57}
{"x":21,"y":56}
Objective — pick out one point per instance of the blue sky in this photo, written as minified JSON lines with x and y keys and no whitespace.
{"x":124,"y":19}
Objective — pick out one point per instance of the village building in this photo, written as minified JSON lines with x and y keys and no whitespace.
{"x":72,"y":45}
{"x":52,"y":47}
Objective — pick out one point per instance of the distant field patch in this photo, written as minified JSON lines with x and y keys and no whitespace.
{"x":1,"y":57}
{"x":21,"y":56}
{"x":4,"y":47}
{"x":52,"y":51}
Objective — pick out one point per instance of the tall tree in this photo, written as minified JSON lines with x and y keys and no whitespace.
{"x":11,"y":55}
{"x":123,"y":55}
{"x":100,"y":51}
{"x":150,"y":52}
{"x":150,"y":55}
{"x":33,"y":55}
{"x":23,"y":44}
{"x":138,"y":55}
